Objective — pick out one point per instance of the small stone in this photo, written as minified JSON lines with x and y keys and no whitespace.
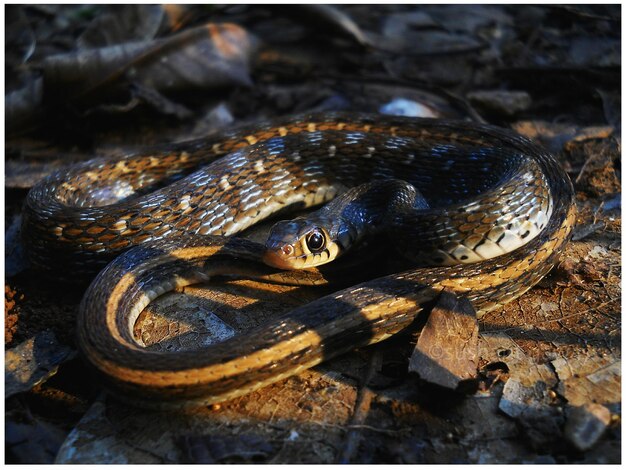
{"x":586,"y":424}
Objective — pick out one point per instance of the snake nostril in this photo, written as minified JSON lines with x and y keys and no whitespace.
{"x":287,"y":250}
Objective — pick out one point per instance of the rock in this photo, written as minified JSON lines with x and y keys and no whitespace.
{"x":507,"y":103}
{"x":447,"y":349}
{"x":518,"y":398}
{"x":586,"y":424}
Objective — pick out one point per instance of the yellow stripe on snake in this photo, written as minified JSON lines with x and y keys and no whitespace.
{"x":172,"y":211}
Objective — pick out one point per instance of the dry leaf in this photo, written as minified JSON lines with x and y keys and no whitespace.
{"x":123,"y":23}
{"x":32,"y":362}
{"x":213,"y":55}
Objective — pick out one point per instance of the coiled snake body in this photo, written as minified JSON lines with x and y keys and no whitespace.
{"x":490,"y":191}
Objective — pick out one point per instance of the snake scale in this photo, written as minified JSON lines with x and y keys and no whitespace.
{"x":172,"y":210}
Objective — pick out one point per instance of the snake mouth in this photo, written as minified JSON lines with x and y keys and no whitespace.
{"x":274,"y":259}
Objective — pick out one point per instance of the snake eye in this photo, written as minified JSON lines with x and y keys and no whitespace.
{"x":315,"y":241}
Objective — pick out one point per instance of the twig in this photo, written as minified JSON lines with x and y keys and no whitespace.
{"x":361,"y":409}
{"x":584,"y":167}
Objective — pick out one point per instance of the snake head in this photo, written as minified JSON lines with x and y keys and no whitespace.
{"x":299,"y":244}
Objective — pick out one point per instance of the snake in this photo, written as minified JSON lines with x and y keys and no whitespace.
{"x":359,"y":213}
{"x":500,"y":211}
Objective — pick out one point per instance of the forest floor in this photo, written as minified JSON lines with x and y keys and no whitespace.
{"x":549,"y":369}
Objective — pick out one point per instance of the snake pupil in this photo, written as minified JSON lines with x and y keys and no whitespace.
{"x":315,"y":241}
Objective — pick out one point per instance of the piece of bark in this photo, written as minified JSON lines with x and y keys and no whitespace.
{"x":447,"y":350}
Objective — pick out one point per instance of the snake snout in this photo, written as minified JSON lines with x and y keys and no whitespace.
{"x":281,"y":248}
{"x":278,"y":257}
